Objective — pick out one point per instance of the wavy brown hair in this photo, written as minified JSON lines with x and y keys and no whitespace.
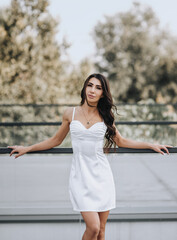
{"x":105,"y":106}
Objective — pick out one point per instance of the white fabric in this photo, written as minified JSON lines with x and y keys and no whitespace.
{"x":91,"y":183}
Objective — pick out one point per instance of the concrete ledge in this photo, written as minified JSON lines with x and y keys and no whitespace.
{"x":67,"y":215}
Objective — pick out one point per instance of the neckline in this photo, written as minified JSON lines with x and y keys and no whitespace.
{"x":85,"y":126}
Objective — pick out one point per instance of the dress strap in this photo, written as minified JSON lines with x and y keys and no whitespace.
{"x":73,"y":113}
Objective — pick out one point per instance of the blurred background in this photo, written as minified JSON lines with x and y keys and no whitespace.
{"x":134,"y":48}
{"x":48,"y":48}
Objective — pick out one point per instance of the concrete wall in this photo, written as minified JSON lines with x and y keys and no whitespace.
{"x":73,"y":231}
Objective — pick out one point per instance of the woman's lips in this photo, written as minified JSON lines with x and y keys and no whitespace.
{"x":90,"y":96}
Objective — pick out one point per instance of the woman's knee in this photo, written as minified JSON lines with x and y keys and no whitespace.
{"x":94,"y":229}
{"x":92,"y":221}
{"x":101,"y":234}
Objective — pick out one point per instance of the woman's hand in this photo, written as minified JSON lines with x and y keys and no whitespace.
{"x":19,"y":149}
{"x":158,"y":147}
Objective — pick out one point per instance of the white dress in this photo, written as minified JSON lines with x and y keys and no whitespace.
{"x":91,"y":183}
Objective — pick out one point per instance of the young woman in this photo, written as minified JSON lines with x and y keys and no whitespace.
{"x":91,"y":183}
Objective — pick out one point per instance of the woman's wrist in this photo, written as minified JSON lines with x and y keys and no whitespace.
{"x":28,"y":149}
{"x":150,"y":145}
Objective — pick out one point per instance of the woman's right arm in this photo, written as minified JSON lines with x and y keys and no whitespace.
{"x":54,"y":141}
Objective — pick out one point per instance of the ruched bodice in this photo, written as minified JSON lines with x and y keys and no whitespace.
{"x":88,"y":140}
{"x":91,"y":184}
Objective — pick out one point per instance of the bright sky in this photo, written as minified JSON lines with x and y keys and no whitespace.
{"x":78,"y":17}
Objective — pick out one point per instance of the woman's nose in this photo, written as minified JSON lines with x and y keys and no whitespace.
{"x":92,"y":89}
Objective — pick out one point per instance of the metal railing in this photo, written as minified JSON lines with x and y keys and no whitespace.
{"x":11,"y":124}
{"x":70,"y":151}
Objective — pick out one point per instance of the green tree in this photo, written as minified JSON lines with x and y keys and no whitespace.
{"x":134,"y":53}
{"x":31,"y":65}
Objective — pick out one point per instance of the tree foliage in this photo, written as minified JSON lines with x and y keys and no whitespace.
{"x":31,"y":65}
{"x":137,"y":56}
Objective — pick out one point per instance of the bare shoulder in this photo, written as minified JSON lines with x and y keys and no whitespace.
{"x":67,"y":115}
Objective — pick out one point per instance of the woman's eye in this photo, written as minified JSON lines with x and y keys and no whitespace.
{"x":90,"y":85}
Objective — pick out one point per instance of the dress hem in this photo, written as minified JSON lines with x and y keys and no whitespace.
{"x":100,"y":210}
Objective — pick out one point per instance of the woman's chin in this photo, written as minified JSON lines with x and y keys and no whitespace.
{"x":92,"y":102}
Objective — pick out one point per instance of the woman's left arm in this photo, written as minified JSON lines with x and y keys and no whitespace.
{"x":128,"y":143}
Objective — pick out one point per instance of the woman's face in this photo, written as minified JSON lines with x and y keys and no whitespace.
{"x":93,"y":90}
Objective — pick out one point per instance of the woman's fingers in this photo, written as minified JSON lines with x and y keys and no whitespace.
{"x":17,"y":155}
{"x":11,"y":147}
{"x":14,"y":149}
{"x":162,"y":152}
{"x":168,"y":146}
{"x":158,"y":148}
{"x":165,"y":149}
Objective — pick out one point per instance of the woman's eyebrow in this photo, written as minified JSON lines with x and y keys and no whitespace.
{"x":93,"y":84}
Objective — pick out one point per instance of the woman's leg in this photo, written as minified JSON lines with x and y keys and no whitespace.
{"x":92,"y":221}
{"x":103,"y":219}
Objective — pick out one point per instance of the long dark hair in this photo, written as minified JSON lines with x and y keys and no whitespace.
{"x":105,"y":106}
